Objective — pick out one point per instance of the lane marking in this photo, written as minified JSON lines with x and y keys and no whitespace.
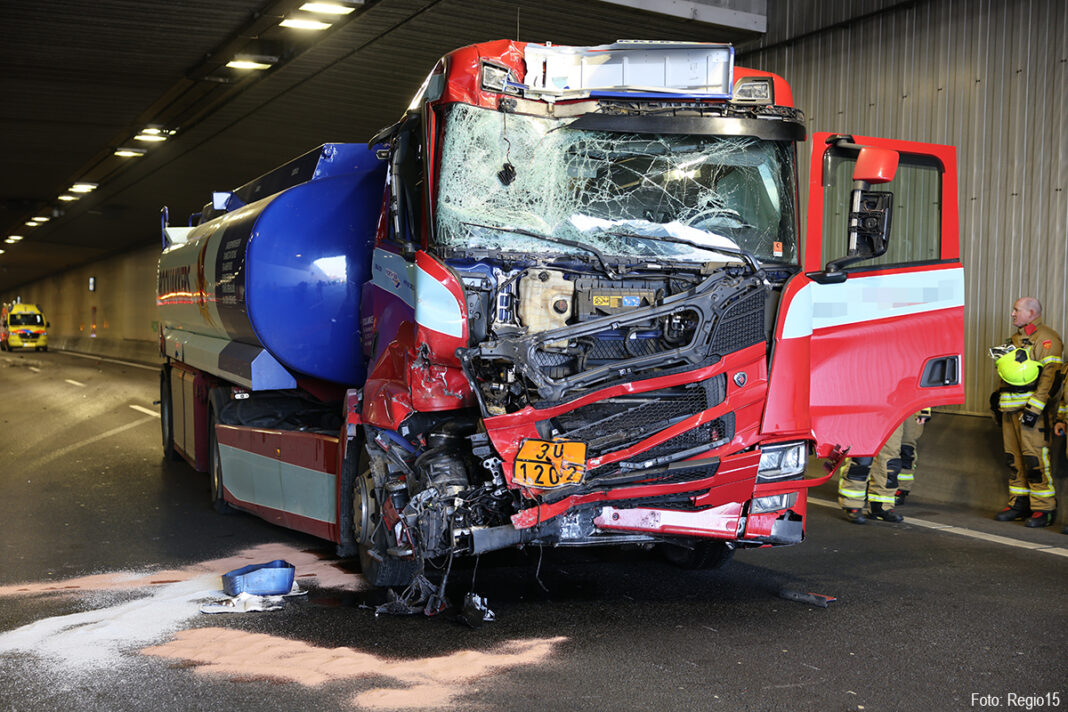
{"x":146,"y":411}
{"x":56,"y":454}
{"x":109,"y":360}
{"x":74,"y":383}
{"x":964,"y":531}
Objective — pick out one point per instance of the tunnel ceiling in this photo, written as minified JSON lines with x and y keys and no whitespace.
{"x":81,"y":77}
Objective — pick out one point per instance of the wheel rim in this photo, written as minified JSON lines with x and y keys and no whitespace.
{"x":363,"y":509}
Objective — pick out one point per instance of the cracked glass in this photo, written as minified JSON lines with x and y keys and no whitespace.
{"x":507,"y":179}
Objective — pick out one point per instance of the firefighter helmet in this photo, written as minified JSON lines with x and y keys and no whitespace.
{"x":1017,"y":369}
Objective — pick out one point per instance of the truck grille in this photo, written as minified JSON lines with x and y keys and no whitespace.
{"x":617,"y":423}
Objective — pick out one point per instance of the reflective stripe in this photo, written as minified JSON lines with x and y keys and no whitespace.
{"x":905,"y":477}
{"x":1050,"y":359}
{"x":881,"y":498}
{"x":1043,"y":493}
{"x":1018,"y":490}
{"x":1014,"y":400}
{"x":852,"y":493}
{"x":1036,"y":403}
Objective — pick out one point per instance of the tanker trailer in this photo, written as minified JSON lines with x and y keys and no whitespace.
{"x":261,"y":295}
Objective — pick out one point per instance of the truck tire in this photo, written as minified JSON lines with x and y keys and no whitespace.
{"x":215,"y":472}
{"x":166,"y":415}
{"x":379,"y":568}
{"x":698,"y":554}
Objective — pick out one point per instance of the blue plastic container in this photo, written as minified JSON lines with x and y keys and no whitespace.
{"x":273,"y":579}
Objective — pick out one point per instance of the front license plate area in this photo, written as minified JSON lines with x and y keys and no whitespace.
{"x":547,"y":465}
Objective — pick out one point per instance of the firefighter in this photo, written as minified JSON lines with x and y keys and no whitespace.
{"x":874,"y":481}
{"x":1030,"y":380}
{"x":911,"y":430}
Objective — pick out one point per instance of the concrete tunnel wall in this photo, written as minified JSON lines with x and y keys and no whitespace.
{"x":118,"y":319}
{"x":960,"y":463}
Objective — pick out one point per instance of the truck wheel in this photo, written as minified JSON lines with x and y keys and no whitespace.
{"x":215,"y":473}
{"x":698,"y":554}
{"x":370,"y":536}
{"x":166,"y":415}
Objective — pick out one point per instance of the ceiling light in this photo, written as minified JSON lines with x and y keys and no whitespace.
{"x":247,"y":64}
{"x":130,"y":152}
{"x":328,"y":8}
{"x":31,"y":223}
{"x":81,"y":187}
{"x":41,"y":219}
{"x":13,"y":239}
{"x":1,"y":252}
{"x":300,"y":23}
{"x":248,"y":60}
{"x":145,"y":136}
{"x":68,"y":198}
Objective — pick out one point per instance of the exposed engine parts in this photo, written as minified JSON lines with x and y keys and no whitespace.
{"x":597,"y":331}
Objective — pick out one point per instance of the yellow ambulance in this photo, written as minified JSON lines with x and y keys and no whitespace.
{"x":23,"y":326}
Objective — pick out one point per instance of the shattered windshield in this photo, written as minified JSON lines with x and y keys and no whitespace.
{"x":507,"y":178}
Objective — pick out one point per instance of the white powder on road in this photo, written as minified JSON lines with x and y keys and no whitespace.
{"x":96,"y":639}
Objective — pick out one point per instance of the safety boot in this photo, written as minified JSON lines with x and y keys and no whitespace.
{"x":855,"y":515}
{"x":887,"y":515}
{"x":1041,"y":519}
{"x":899,"y":497}
{"x":1019,"y":509}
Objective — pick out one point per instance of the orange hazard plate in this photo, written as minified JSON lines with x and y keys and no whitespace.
{"x":546,"y":465}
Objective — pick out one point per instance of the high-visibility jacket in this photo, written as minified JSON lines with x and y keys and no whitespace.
{"x":1044,"y":345}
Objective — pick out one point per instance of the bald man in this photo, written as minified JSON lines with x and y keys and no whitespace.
{"x":1025,"y":419}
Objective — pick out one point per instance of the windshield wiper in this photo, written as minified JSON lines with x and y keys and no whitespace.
{"x":743,"y":254}
{"x":609,"y":272}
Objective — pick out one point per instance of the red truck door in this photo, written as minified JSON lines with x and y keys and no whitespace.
{"x":863,"y":341}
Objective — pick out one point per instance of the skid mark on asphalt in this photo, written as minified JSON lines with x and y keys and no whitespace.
{"x":429,"y":682}
{"x":964,"y":531}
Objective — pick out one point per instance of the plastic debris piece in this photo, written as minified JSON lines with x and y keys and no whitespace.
{"x":270,"y":579}
{"x":417,"y":598}
{"x":476,"y":611}
{"x":815,"y":599}
{"x":244,"y":603}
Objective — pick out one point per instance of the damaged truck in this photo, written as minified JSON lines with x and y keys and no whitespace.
{"x":565,"y":300}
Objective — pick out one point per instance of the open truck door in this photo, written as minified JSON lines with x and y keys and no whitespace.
{"x":874,"y":310}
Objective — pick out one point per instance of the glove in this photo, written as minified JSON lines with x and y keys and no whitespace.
{"x":995,"y":409}
{"x":1028,"y":418}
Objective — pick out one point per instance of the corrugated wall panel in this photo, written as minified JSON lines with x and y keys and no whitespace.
{"x":987,"y":76}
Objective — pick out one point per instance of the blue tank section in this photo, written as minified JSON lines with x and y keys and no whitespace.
{"x":307,"y":259}
{"x":281,"y":274}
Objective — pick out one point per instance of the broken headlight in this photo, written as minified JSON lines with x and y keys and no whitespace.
{"x":773,"y":503}
{"x":784,"y":461}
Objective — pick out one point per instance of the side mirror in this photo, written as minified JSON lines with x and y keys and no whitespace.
{"x":869,"y":212}
{"x":875,"y":165}
{"x":869,"y":228}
